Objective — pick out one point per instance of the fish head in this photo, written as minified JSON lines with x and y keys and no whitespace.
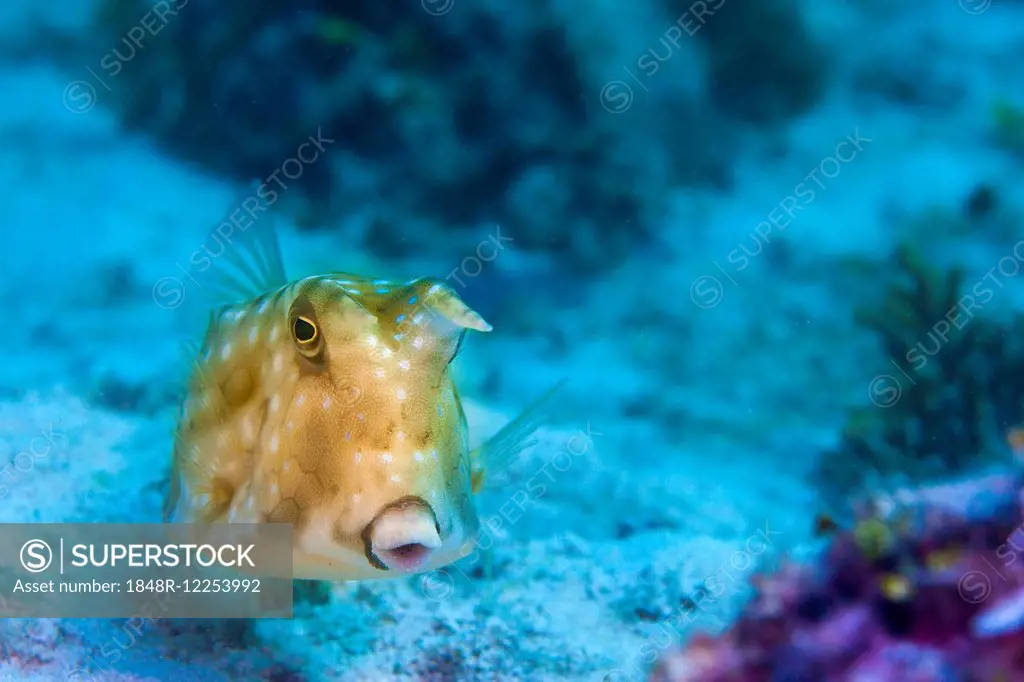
{"x":380,"y":476}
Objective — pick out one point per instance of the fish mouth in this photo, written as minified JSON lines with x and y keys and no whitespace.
{"x":403,"y":536}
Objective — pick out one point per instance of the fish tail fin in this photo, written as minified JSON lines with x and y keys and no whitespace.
{"x":503,"y":448}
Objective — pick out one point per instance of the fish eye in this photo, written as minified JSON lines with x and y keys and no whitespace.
{"x":304,"y":330}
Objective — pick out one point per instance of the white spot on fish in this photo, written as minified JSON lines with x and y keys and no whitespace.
{"x":202,"y":500}
{"x":247,"y":429}
{"x":418,"y":456}
{"x":433,"y":454}
{"x":372,"y":341}
{"x":360,"y":416}
{"x":253,"y":333}
{"x":275,"y":403}
{"x":395,"y":478}
{"x":327,"y":402}
{"x":355,"y":498}
{"x":400,"y":435}
{"x":274,"y":443}
{"x":299,"y":399}
{"x":379,"y":372}
{"x":286,"y":465}
{"x":278,"y":362}
{"x":274,"y":333}
{"x":386,"y":457}
{"x":290,"y":425}
{"x":250,"y":503}
{"x":417,"y":342}
{"x":434,"y":289}
{"x":400,"y":393}
{"x":418,"y":319}
{"x":358,"y":457}
{"x":404,"y":365}
{"x":225,"y":351}
{"x":348,"y":435}
{"x":386,"y":352}
{"x":273,"y":488}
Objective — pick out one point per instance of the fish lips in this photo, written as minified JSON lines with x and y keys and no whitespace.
{"x":402,"y":536}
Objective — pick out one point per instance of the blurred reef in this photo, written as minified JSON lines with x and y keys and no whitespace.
{"x":476,"y":115}
{"x":951,"y":390}
{"x":908,"y":593}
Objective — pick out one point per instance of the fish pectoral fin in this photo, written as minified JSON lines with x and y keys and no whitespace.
{"x":208,"y":496}
{"x":197,"y":375}
{"x":250,"y":263}
{"x":201,"y":383}
{"x":503,"y":448}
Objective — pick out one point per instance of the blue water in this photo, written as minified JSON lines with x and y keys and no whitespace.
{"x":685,"y":209}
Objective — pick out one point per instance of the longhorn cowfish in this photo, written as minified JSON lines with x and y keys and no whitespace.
{"x":328,"y":403}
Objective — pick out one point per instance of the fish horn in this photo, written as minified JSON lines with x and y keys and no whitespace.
{"x":441,"y":301}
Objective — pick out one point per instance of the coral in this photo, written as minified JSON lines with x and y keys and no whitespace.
{"x":952,"y":388}
{"x":1008,"y":125}
{"x":764,"y":64}
{"x":926,"y":588}
{"x":456,"y":120}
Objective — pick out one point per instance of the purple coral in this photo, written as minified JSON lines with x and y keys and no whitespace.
{"x":926,"y":590}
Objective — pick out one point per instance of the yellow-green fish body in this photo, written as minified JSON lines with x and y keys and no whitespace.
{"x":328,"y":403}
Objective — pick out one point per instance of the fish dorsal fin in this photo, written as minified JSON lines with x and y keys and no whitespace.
{"x":503,"y":448}
{"x":251,"y":262}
